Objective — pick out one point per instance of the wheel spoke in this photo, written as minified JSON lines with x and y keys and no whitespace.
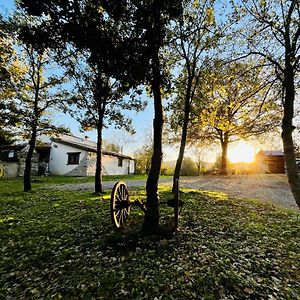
{"x":121,"y":191}
{"x":124,"y":191}
{"x":122,"y":217}
{"x":125,"y":215}
{"x":120,"y":194}
{"x":119,"y":217}
{"x":120,"y":206}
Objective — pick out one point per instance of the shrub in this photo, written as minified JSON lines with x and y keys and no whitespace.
{"x":189,"y":167}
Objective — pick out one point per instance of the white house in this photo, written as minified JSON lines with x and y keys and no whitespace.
{"x":68,"y":155}
{"x":75,"y":156}
{"x":13,"y":159}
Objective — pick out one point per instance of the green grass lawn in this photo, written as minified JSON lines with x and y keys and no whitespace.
{"x":61,"y":245}
{"x":70,"y":179}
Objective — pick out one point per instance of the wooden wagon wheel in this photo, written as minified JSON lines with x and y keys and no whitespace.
{"x":119,"y":204}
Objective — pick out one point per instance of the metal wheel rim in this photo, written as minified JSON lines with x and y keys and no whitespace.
{"x":119,"y":195}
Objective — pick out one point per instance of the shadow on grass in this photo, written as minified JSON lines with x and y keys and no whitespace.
{"x":62,"y":245}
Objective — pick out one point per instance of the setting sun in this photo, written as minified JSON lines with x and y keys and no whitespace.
{"x":241,"y":152}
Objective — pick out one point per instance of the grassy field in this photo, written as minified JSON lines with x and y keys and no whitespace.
{"x":70,"y":179}
{"x":62,"y":245}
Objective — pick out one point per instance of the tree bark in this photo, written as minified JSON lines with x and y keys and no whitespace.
{"x":27,"y":171}
{"x":198,"y":168}
{"x":151,"y":221}
{"x":287,"y":131}
{"x":36,"y":115}
{"x":224,"y":144}
{"x":98,"y":172}
{"x":100,"y":94}
{"x":183,"y":135}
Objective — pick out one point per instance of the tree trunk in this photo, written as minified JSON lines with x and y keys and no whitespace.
{"x":183,"y":135}
{"x":151,"y":221}
{"x":98,"y":172}
{"x":27,"y":171}
{"x":224,"y":144}
{"x":287,"y":138}
{"x":35,"y":121}
{"x":198,"y":168}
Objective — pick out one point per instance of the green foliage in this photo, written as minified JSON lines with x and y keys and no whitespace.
{"x":113,"y":147}
{"x":166,"y":169}
{"x":6,"y":137}
{"x":106,"y":31}
{"x":9,"y":69}
{"x":189,"y":167}
{"x":10,"y":73}
{"x":196,"y":37}
{"x":99,"y":100}
{"x":239,"y":102}
{"x":143,"y":159}
{"x":273,"y":33}
{"x":37,"y":88}
{"x":57,"y":244}
{"x":123,"y":42}
{"x":218,"y":163}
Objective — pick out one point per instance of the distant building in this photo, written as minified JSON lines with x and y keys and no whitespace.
{"x":65,"y":155}
{"x":14,"y":156}
{"x":270,"y":161}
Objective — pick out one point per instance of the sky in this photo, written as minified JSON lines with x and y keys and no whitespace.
{"x":142,"y":122}
{"x":6,"y":6}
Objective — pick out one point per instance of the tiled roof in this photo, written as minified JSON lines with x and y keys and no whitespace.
{"x":85,"y":144}
{"x":19,"y":147}
{"x":273,"y":153}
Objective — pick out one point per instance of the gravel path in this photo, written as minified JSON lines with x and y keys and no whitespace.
{"x":264,"y":187}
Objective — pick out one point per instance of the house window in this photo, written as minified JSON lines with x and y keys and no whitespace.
{"x":73,"y":158}
{"x":11,"y":154}
{"x":8,"y":155}
{"x":120,"y":162}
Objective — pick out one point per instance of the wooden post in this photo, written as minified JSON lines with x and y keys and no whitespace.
{"x":176,"y":205}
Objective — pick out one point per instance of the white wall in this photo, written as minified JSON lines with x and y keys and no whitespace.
{"x":110,"y":165}
{"x":58,"y":163}
{"x":91,"y":165}
{"x":11,"y":169}
{"x":131,"y":167}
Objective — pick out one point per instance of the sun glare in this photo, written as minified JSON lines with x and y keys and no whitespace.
{"x":241,"y":152}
